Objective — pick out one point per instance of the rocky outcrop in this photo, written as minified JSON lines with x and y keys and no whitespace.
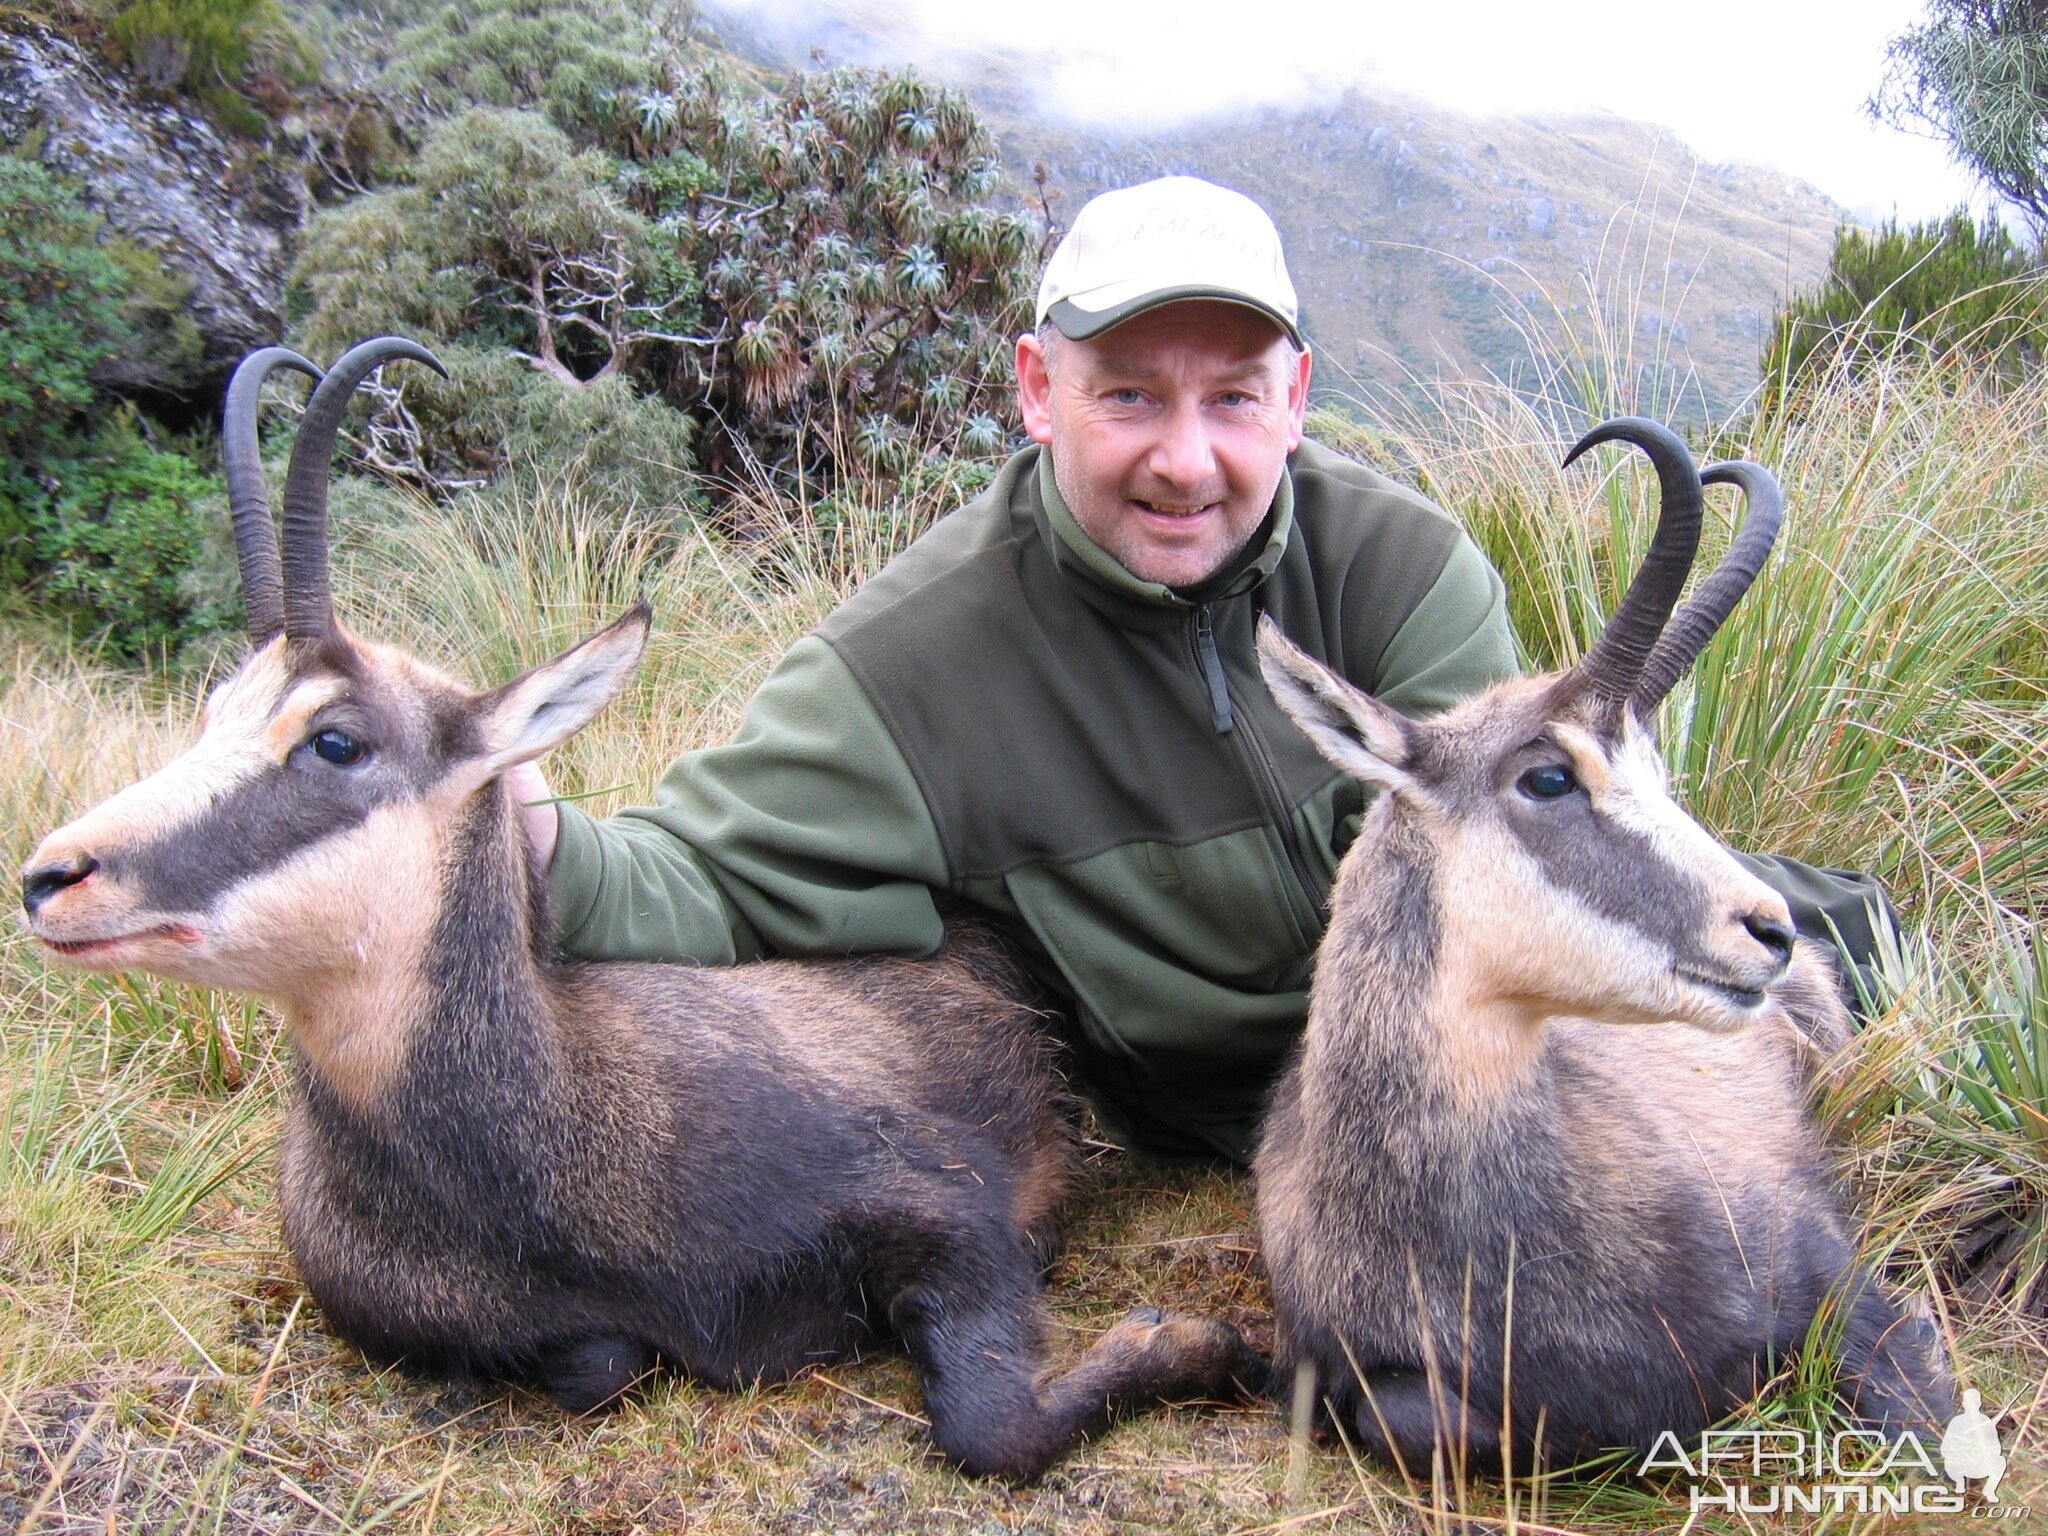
{"x":166,"y":179}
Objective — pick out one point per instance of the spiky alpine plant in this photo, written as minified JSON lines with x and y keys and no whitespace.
{"x":852,"y":266}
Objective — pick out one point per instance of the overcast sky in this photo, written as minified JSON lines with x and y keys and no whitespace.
{"x":1771,"y":82}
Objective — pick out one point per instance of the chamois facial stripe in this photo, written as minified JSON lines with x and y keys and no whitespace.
{"x":1618,"y":871}
{"x":255,"y":826}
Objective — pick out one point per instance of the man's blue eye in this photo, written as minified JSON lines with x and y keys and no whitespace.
{"x":1551,"y":781}
{"x":337,"y":748}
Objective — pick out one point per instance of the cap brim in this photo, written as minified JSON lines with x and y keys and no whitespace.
{"x":1078,"y":324}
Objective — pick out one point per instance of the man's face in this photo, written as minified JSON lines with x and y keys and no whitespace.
{"x":1169,"y":433}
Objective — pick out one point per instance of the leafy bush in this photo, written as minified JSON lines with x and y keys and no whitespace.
{"x":122,"y":525}
{"x":507,"y":233}
{"x":815,"y":280}
{"x":545,"y":294}
{"x":1931,"y":288}
{"x":861,"y":295}
{"x":210,"y":48}
{"x":1975,"y":72}
{"x":90,"y":516}
{"x":60,"y":315}
{"x":567,"y":58}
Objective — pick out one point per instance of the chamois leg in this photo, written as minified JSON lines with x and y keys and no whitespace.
{"x":1151,"y":1358}
{"x":969,"y":1320}
{"x":586,"y":1375}
{"x":1894,"y":1371}
{"x":1404,"y":1420}
{"x":971,"y":1323}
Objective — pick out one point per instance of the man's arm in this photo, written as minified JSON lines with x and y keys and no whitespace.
{"x":806,"y":834}
{"x":1454,"y":643}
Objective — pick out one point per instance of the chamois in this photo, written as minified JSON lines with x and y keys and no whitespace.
{"x":1510,"y":1206}
{"x":502,"y":1164}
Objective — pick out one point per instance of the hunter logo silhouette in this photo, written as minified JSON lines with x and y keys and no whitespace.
{"x":1969,"y":1447}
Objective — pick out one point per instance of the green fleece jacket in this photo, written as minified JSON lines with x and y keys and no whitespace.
{"x":1005,"y":718}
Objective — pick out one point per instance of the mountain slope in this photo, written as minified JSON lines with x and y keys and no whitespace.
{"x":1423,"y":240}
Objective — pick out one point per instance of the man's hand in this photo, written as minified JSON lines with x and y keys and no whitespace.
{"x":542,"y":821}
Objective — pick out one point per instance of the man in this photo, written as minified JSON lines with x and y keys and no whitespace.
{"x":1048,"y":708}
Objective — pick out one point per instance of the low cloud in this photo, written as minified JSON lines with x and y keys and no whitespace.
{"x":1753,"y":81}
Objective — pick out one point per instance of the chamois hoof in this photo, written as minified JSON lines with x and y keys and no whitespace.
{"x":1182,"y":1359}
{"x":586,"y":1376}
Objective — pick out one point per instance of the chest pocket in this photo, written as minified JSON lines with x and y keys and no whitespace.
{"x":1163,"y":864}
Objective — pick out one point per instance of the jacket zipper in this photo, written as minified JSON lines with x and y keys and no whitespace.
{"x":1212,"y":672}
{"x":1264,"y":775}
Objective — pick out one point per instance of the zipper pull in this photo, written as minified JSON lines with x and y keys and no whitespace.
{"x":1212,"y":673}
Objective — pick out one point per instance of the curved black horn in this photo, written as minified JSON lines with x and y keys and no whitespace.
{"x":1611,"y":667}
{"x":248,"y":495}
{"x":308,"y":607}
{"x":1708,"y":608}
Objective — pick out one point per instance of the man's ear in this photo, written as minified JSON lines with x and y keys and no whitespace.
{"x":1297,"y":398}
{"x":1034,"y":388}
{"x":1352,"y":729}
{"x":541,"y":710}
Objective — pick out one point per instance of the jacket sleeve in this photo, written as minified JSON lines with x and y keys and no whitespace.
{"x":1455,"y":642}
{"x":804,"y":835}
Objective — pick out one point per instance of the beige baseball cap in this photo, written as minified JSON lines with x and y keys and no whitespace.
{"x":1159,"y":242}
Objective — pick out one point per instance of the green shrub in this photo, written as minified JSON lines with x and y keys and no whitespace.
{"x":861,"y":295}
{"x":1929,"y":289}
{"x":1975,"y":73}
{"x":121,"y":526}
{"x":211,"y":49}
{"x":508,"y":236}
{"x":511,"y":255}
{"x":814,"y":278}
{"x":93,"y":521}
{"x":567,"y":58}
{"x":61,"y":314}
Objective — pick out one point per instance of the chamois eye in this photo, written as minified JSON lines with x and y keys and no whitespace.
{"x":337,"y":748}
{"x":1549,"y":781}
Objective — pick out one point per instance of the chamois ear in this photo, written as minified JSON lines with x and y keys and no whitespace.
{"x":1351,"y":728}
{"x":541,"y":710}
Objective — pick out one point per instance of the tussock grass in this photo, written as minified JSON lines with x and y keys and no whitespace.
{"x":1878,"y":702}
{"x":1880,"y":699}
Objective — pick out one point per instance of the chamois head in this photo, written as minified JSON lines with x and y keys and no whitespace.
{"x":1565,"y":879}
{"x":301,"y":838}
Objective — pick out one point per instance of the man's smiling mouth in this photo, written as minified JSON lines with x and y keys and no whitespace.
{"x":1166,"y":509}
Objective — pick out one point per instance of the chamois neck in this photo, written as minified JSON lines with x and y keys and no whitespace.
{"x":1397,"y":999}
{"x":447,"y":981}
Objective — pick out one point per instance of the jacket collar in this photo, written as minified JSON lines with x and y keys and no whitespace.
{"x":1100,"y":580}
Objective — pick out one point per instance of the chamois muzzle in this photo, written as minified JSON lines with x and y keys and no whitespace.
{"x":1610,"y":670}
{"x":308,"y":605}
{"x":39,"y":885}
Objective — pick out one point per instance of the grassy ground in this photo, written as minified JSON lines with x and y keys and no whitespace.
{"x":1879,"y":702}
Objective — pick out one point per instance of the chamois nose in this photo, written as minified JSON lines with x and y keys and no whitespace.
{"x":39,"y":885}
{"x":1771,"y":932}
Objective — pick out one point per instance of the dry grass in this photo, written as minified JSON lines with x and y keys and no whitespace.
{"x":160,"y":1369}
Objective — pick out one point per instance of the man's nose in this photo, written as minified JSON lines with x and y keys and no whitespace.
{"x":1184,"y":456}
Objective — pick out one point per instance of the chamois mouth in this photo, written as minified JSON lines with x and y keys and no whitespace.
{"x":1748,"y":999}
{"x":92,"y":949}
